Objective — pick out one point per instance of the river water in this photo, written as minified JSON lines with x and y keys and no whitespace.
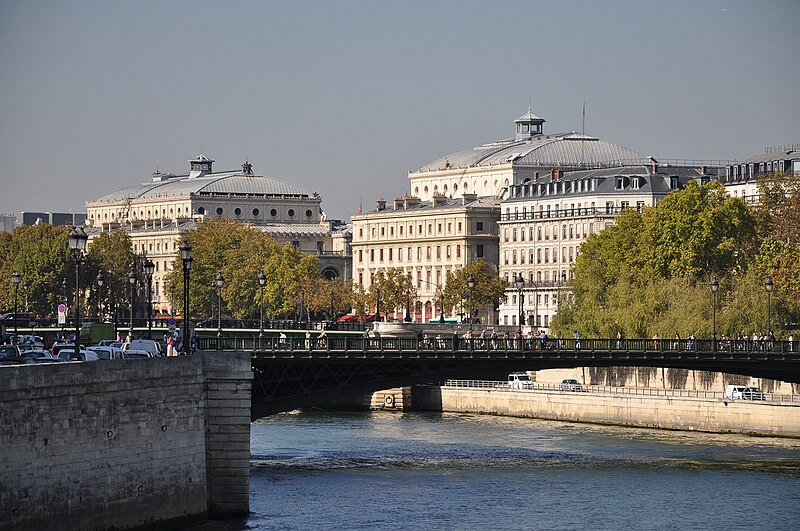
{"x":460,"y":471}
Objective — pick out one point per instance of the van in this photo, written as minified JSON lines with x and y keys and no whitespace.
{"x":519,"y":380}
{"x":735,"y":392}
{"x":147,"y":345}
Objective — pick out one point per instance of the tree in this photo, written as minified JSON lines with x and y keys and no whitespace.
{"x":489,"y":288}
{"x":111,"y":253}
{"x":40,"y":253}
{"x":393,"y":287}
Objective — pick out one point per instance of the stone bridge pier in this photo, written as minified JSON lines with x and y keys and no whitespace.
{"x":125,"y":443}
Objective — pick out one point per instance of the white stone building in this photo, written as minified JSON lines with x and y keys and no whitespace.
{"x":741,"y":178}
{"x":155,"y":215}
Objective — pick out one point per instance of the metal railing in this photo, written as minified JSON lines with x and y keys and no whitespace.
{"x":687,"y":348}
{"x":775,"y":398}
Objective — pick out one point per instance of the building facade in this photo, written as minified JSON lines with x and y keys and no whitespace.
{"x":741,"y":179}
{"x":426,"y":240}
{"x":157,"y":213}
{"x":544,"y":222}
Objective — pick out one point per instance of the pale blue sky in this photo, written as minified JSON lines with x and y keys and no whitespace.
{"x":344,"y":97}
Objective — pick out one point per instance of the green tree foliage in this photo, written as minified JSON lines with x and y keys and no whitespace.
{"x":393,"y":287}
{"x":489,"y":288}
{"x":326,"y":294}
{"x":40,"y":253}
{"x":111,"y":253}
{"x":241,"y":252}
{"x":650,"y":272}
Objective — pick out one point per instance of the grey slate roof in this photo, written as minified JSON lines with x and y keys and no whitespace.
{"x":567,"y":149}
{"x":444,"y":204}
{"x":224,"y":183}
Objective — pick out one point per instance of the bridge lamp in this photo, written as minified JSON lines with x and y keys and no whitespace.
{"x":219,"y":280}
{"x":172,"y":300}
{"x":768,"y":285}
{"x":471,"y":286}
{"x":26,"y":285}
{"x":149,"y":268}
{"x":15,"y":278}
{"x":100,"y":281}
{"x":186,"y":258}
{"x":714,"y":288}
{"x":77,"y":245}
{"x":520,"y":284}
{"x":262,"y":280}
{"x":132,"y":282}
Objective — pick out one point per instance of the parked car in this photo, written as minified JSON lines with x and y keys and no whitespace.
{"x":30,"y":341}
{"x":24,"y":320}
{"x":68,"y":354}
{"x":571,"y":385}
{"x":753,"y":393}
{"x":61,"y":345}
{"x":107,"y":352}
{"x":110,"y":343}
{"x":147,"y":345}
{"x":519,"y":380}
{"x":13,"y":355}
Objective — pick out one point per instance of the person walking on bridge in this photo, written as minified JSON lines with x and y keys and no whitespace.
{"x":577,"y":336}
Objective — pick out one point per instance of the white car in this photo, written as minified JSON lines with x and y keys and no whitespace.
{"x":519,"y":380}
{"x":68,"y":354}
{"x":107,"y":353}
{"x":571,"y":385}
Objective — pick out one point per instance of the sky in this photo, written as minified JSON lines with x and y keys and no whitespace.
{"x":345,"y":97}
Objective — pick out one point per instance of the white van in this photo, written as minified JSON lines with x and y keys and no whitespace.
{"x":146,"y":345}
{"x":735,"y":392}
{"x":519,"y":380}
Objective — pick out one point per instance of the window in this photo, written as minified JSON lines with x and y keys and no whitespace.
{"x":458,"y":251}
{"x":479,"y":251}
{"x":360,"y":255}
{"x":256,"y":212}
{"x":439,"y":228}
{"x":408,"y":256}
{"x":479,"y":226}
{"x":380,"y":254}
{"x":448,"y":251}
{"x":290,"y":212}
{"x":372,"y":255}
{"x":383,"y":232}
{"x":361,"y":232}
{"x":237,"y":211}
{"x":419,"y":253}
{"x":219,"y":211}
{"x":428,"y":253}
{"x":635,"y":183}
{"x":505,"y":235}
{"x":459,"y":227}
{"x":515,"y":235}
{"x":430,"y":228}
{"x":619,"y":183}
{"x":309,"y":213}
{"x":449,"y":228}
{"x":401,"y":230}
{"x":390,"y":254}
{"x":273,"y":212}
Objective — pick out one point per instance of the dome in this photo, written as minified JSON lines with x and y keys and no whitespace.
{"x":532,"y":147}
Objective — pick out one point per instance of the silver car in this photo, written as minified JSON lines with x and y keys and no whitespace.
{"x":571,"y":385}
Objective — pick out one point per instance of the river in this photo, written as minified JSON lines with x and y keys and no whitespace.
{"x":460,"y":471}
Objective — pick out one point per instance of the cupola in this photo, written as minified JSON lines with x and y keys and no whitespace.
{"x":528,"y":125}
{"x":199,"y":166}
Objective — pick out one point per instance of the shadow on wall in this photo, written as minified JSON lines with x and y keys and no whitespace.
{"x":426,"y":398}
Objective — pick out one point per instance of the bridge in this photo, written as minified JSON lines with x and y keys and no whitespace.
{"x":301,"y":372}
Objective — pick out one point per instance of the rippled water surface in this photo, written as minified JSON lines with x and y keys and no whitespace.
{"x":457,"y":471}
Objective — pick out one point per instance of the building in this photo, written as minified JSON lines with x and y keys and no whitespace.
{"x":491,"y":169}
{"x":7,"y":222}
{"x":155,"y":215}
{"x":544,"y":222}
{"x":425,"y":239}
{"x":742,"y":178}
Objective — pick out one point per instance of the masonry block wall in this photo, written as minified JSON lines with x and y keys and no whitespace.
{"x":119,"y":443}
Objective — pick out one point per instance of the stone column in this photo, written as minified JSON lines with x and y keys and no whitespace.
{"x":228,"y":381}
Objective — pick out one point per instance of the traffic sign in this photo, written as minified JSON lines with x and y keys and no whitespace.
{"x":62,"y":308}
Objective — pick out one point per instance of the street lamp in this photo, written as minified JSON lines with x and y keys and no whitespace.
{"x":26,"y":285}
{"x":172,"y":299}
{"x":149,"y":267}
{"x":15,"y":278}
{"x":441,"y":305}
{"x":77,"y":244}
{"x":471,"y":286}
{"x":520,"y":284}
{"x":100,"y":281}
{"x":186,"y":257}
{"x":132,"y":282}
{"x":377,"y":306}
{"x":262,"y":280}
{"x":769,"y":285}
{"x":408,"y":306}
{"x":714,"y":288}
{"x":219,"y":280}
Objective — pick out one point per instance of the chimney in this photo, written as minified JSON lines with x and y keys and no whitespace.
{"x":654,"y":167}
{"x":438,"y":199}
{"x":703,"y":170}
{"x":412,"y":201}
{"x":559,"y":173}
{"x":398,"y":202}
{"x":536,"y":176}
{"x":552,"y":171}
{"x":380,"y":204}
{"x":468,"y":198}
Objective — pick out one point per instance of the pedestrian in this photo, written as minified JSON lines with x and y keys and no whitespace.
{"x":308,"y":340}
{"x":494,"y":339}
{"x":790,"y":339}
{"x":676,"y":345}
{"x":656,"y":341}
{"x":577,"y":336}
{"x":282,"y":340}
{"x":619,"y":339}
{"x":322,"y":341}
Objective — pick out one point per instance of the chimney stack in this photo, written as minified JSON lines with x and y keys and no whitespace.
{"x":552,"y":174}
{"x":536,"y":176}
{"x":559,"y":173}
{"x":381,"y":204}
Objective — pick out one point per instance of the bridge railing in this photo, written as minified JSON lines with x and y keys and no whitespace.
{"x":451,"y":342}
{"x":609,"y":390}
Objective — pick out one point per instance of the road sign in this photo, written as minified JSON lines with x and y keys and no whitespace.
{"x":62,"y":308}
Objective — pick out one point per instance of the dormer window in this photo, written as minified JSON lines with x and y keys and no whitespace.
{"x":619,"y":183}
{"x":636,"y":183}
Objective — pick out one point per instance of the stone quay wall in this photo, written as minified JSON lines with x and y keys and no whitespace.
{"x":124,"y":444}
{"x":677,"y":413}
